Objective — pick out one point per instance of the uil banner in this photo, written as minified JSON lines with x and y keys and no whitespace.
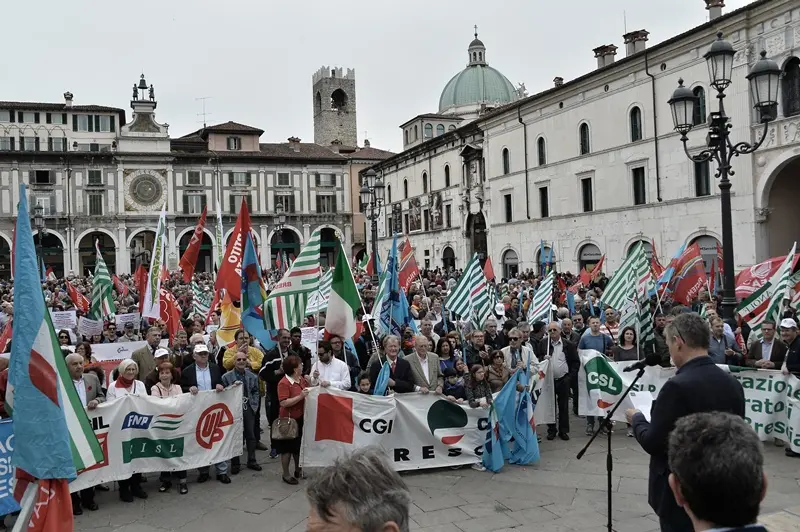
{"x":418,"y":431}
{"x":772,"y":400}
{"x":151,"y":434}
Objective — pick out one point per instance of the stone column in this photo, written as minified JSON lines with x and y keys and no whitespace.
{"x":266,"y":247}
{"x":348,"y":240}
{"x":306,"y":233}
{"x":123,"y":260}
{"x":172,"y":246}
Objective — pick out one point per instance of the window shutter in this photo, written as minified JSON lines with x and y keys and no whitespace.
{"x":185,"y":204}
{"x":249,"y":183}
{"x":318,"y":180}
{"x":203,"y":200}
{"x":97,"y":122}
{"x":12,"y":143}
{"x":113,"y":125}
{"x":74,"y":122}
{"x":64,"y":118}
{"x":21,"y":143}
{"x":230,"y":179}
{"x":49,"y":143}
{"x":48,"y":118}
{"x":64,"y":144}
{"x":333,"y":203}
{"x":36,"y":144}
{"x":232,"y":201}
{"x":249,"y":203}
{"x":11,"y":116}
{"x":90,"y":120}
{"x":20,"y":117}
{"x":35,"y":118}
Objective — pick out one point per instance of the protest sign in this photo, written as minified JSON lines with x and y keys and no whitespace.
{"x":88,"y":327}
{"x":309,"y":340}
{"x":142,"y":434}
{"x":8,"y":504}
{"x":66,"y":319}
{"x":132,"y":317}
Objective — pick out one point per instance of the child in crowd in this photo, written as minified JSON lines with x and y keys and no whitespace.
{"x":363,"y":383}
{"x":453,"y":389}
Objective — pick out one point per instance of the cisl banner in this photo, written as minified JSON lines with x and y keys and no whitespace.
{"x":772,"y":400}
{"x":152,"y":434}
{"x":418,"y":431}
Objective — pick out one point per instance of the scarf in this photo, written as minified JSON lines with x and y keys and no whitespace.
{"x":122,"y":382}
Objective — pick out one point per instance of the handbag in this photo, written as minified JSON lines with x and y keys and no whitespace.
{"x":284,"y":428}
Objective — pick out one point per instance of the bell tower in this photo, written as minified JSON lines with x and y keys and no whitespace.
{"x":334,"y":101}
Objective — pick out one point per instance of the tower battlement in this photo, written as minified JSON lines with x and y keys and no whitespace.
{"x":333,"y":72}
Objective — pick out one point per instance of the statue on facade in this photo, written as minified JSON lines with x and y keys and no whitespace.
{"x":152,"y":93}
{"x":135,"y":92}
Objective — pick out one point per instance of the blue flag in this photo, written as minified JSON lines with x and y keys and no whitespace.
{"x":571,"y":302}
{"x":8,"y":504}
{"x":666,"y":276}
{"x":526,"y":444}
{"x":394,"y":312}
{"x":505,"y":403}
{"x":382,"y":382}
{"x":253,"y":296}
{"x":493,"y":448}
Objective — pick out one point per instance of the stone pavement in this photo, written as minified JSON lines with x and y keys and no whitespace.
{"x":560,"y":494}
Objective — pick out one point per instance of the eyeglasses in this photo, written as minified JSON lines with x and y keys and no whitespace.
{"x":63,"y":337}
{"x":552,"y":330}
{"x":513,"y":338}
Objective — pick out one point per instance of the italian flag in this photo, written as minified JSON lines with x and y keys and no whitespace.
{"x":344,"y":300}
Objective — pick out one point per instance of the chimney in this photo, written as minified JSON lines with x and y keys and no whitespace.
{"x":294,"y":144}
{"x":366,"y":143}
{"x":605,"y":54}
{"x":68,"y":99}
{"x":558,"y":81}
{"x":714,"y":8}
{"x":635,"y":41}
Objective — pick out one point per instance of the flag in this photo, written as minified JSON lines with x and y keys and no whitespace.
{"x":794,"y":302}
{"x":318,"y":301}
{"x":201,"y":301}
{"x":394,"y":313}
{"x":712,"y":282}
{"x":79,"y":300}
{"x":750,"y":279}
{"x":364,"y":261}
{"x":14,"y":247}
{"x":49,"y":274}
{"x":689,"y":276}
{"x":571,"y":302}
{"x":526,"y":444}
{"x":285,"y":306}
{"x":666,"y":275}
{"x":344,"y":300}
{"x":119,"y":286}
{"x":635,"y":267}
{"x":152,"y":304}
{"x":380,"y":299}
{"x":189,"y":259}
{"x":102,"y":302}
{"x":53,"y":437}
{"x":382,"y":382}
{"x":253,"y":294}
{"x":219,"y":233}
{"x":370,"y":264}
{"x":230,"y":321}
{"x":229,"y":275}
{"x":408,"y":269}
{"x":470,"y":296}
{"x":540,"y":307}
{"x":757,"y":308}
{"x":488,"y":269}
{"x":169,"y":312}
{"x":492,"y":458}
{"x":6,"y":336}
{"x":655,"y":265}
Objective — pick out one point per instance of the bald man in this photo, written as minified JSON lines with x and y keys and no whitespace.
{"x":425,"y":372}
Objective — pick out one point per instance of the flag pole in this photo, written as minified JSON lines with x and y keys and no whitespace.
{"x":361,"y":301}
{"x":27,"y":503}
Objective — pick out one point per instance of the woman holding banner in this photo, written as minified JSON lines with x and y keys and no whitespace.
{"x":292,"y":392}
{"x":166,"y":387}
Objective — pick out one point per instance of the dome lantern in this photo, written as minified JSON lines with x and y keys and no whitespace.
{"x":476,"y":53}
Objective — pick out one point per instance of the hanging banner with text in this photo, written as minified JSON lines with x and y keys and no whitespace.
{"x":772,"y":400}
{"x":8,"y":504}
{"x":142,"y":434}
{"x":417,"y":431}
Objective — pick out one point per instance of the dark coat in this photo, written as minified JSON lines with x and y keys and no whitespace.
{"x":570,"y":352}
{"x":776,"y":356}
{"x":269,"y":372}
{"x":189,"y":376}
{"x":698,"y":386}
{"x":403,"y":381}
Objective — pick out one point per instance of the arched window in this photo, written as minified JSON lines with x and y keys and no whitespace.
{"x":318,"y":102}
{"x":791,"y":88}
{"x":506,"y":162}
{"x":480,"y":56}
{"x":541,"y":150}
{"x":446,"y":175}
{"x":584,"y":134}
{"x":388,"y":193}
{"x":440,"y":130}
{"x":699,"y":117}
{"x":451,"y":128}
{"x":406,"y":132}
{"x":424,"y":183}
{"x":416,"y":132}
{"x":405,"y":188}
{"x":428,"y":131}
{"x":636,"y":124}
{"x":474,"y":56}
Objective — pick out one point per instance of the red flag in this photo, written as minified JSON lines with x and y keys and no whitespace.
{"x":598,"y":268}
{"x":5,"y":337}
{"x":164,"y":274}
{"x":170,"y":313}
{"x":121,"y":287}
{"x":719,"y":260}
{"x":713,"y":281}
{"x":656,"y":268}
{"x":49,"y":272}
{"x":751,"y":279}
{"x":229,"y":276}
{"x":79,"y":300}
{"x":189,"y":258}
{"x":409,"y":271}
{"x":585,"y":277}
{"x":52,"y":509}
{"x":690,"y":275}
{"x":577,"y":286}
{"x":488,"y":270}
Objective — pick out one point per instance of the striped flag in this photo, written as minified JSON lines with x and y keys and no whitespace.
{"x":285,"y":306}
{"x":766,"y":302}
{"x":794,"y":282}
{"x":635,"y":267}
{"x":152,"y":302}
{"x":201,"y":300}
{"x":102,"y":301}
{"x":470,"y":297}
{"x":318,"y":301}
{"x":539,"y":309}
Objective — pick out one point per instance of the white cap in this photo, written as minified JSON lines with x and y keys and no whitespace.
{"x":788,"y":323}
{"x":366,"y":318}
{"x":500,"y":309}
{"x":201,"y":348}
{"x":161,"y":352}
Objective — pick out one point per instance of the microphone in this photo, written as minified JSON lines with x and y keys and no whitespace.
{"x":649,"y":360}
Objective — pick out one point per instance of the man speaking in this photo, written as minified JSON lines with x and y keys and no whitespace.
{"x":698,"y":386}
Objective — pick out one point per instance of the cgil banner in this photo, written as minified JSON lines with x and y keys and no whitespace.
{"x":772,"y":400}
{"x":142,"y":434}
{"x":418,"y":431}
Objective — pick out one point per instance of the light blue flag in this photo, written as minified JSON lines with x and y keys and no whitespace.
{"x":666,"y":276}
{"x":526,"y":444}
{"x":571,"y":302}
{"x":253,"y":296}
{"x":394,"y":313}
{"x":505,"y":403}
{"x":382,"y":382}
{"x":493,"y":448}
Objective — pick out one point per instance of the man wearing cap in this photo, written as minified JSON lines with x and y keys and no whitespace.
{"x":162,"y":354}
{"x":791,"y":363}
{"x":129,"y":334}
{"x":144,"y":356}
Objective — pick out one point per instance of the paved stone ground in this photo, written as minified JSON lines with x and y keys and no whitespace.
{"x":558,"y":495}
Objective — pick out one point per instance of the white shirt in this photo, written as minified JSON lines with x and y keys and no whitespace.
{"x":558,"y":359}
{"x":426,"y":370}
{"x":80,"y":387}
{"x":203,"y":378}
{"x":136,"y":389}
{"x":335,"y":372}
{"x":766,"y":349}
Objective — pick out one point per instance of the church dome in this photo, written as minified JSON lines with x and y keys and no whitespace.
{"x":477,"y":84}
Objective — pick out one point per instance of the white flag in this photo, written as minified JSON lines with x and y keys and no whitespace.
{"x":152,"y":302}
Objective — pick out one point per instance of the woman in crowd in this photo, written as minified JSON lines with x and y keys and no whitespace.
{"x":292,"y":392}
{"x":64,"y":338}
{"x":479,"y":393}
{"x":445,"y":351}
{"x":167,"y":387}
{"x":85,"y":349}
{"x":497,"y":374}
{"x":125,"y":383}
{"x":455,"y":343}
{"x":628,"y":348}
{"x":461,"y":371}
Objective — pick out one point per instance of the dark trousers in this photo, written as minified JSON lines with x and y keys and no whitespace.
{"x":273,"y":406}
{"x":574,"y":388}
{"x":132,"y":483}
{"x":167,"y":476}
{"x":249,"y":418}
{"x":257,"y":429}
{"x":83,"y":497}
{"x":561,"y":388}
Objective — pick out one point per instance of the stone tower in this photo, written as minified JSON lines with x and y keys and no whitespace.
{"x":334,"y":100}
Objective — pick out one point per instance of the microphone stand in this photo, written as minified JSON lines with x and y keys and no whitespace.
{"x":609,"y":458}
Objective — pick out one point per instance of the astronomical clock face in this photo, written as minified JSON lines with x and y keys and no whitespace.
{"x":145,"y":192}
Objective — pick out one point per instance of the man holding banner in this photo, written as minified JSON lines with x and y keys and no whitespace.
{"x":698,"y":386}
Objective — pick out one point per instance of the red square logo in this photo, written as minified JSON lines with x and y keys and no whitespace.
{"x":334,"y":418}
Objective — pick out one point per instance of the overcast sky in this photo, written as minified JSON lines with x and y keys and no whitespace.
{"x":255,"y":58}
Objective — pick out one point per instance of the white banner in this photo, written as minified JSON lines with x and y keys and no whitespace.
{"x":66,"y":319}
{"x":132,"y":317}
{"x":88,"y":327}
{"x":119,"y":350}
{"x":417,"y":431}
{"x":772,"y":400}
{"x":153,"y":434}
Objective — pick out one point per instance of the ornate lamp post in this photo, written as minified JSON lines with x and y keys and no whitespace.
{"x":39,"y":224}
{"x":764,"y":78}
{"x":372,"y":191}
{"x":280,"y":221}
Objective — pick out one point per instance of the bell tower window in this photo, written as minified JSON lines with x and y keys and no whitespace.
{"x":339,"y":101}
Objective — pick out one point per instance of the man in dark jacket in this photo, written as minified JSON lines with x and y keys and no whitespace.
{"x":791,"y":364}
{"x":768,"y":352}
{"x":400,"y":377}
{"x":564,"y":363}
{"x":661,"y":349}
{"x":698,"y":386}
{"x":297,"y":348}
{"x":271,"y":373}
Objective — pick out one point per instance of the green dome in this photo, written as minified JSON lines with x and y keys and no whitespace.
{"x":474,"y":85}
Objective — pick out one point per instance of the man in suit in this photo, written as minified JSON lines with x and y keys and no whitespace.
{"x":200,"y":377}
{"x":517,"y":355}
{"x":698,"y":386}
{"x":717,"y":472}
{"x":145,"y":356}
{"x":425,"y":372}
{"x":400,"y":379}
{"x":564,"y":364}
{"x":88,"y":387}
{"x":769,"y":352}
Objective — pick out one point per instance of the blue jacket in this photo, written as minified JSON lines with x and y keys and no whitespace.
{"x":250,"y":383}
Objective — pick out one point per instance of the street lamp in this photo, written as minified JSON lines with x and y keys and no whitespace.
{"x":38,"y":222}
{"x":763,"y":78}
{"x":372,"y":191}
{"x":280,"y":221}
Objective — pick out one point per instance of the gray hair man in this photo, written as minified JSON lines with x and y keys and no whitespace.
{"x":360,"y":492}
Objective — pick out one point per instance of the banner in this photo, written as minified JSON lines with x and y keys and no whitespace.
{"x":88,"y":327}
{"x":133,"y":317}
{"x":66,"y":319}
{"x":418,"y":431}
{"x":772,"y":400}
{"x":8,"y":504}
{"x":143,"y":434}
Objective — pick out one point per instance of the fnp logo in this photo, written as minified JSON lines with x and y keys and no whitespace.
{"x":212,"y":421}
{"x":168,"y":422}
